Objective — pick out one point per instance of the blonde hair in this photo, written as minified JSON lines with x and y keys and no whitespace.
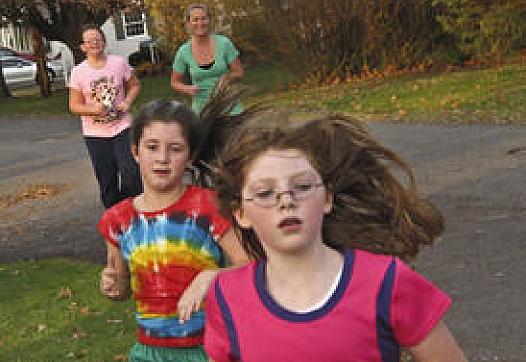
{"x":194,"y":6}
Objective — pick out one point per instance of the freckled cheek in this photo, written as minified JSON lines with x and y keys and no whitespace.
{"x":314,"y":212}
{"x":262,"y":223}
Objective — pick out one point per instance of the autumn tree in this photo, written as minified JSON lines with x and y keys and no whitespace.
{"x":484,"y":29}
{"x":332,"y":39}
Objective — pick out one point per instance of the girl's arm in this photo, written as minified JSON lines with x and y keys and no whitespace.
{"x":235,"y":72}
{"x":132,"y":87}
{"x":115,"y":278}
{"x":180,"y":87}
{"x":77,"y":105}
{"x":194,"y":295}
{"x":438,"y":346}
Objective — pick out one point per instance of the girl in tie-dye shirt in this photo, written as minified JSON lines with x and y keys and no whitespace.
{"x":169,"y":241}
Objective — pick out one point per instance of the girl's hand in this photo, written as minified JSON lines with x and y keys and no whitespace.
{"x":194,"y":295}
{"x":113,"y":284}
{"x":123,"y":106}
{"x":98,"y":110}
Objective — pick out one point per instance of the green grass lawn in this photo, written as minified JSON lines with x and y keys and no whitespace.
{"x":51,"y":310}
{"x":495,"y":95}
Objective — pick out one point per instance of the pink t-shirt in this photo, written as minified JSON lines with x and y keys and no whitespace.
{"x":379,"y":306}
{"x":106,"y":86}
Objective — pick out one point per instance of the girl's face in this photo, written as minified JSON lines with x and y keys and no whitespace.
{"x":283,"y":201}
{"x":198,"y":22}
{"x":162,"y":155}
{"x":93,"y":43}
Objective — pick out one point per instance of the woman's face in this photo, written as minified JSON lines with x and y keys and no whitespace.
{"x":92,"y":42}
{"x":198,"y":22}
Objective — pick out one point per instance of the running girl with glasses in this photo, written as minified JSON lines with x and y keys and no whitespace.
{"x":320,"y":209}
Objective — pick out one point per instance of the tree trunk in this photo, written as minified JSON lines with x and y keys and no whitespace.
{"x":42,"y":76}
{"x":4,"y":91}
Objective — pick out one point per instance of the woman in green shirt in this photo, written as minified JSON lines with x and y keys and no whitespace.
{"x":210,"y":59}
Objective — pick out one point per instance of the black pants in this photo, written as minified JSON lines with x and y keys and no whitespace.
{"x":116,"y":170}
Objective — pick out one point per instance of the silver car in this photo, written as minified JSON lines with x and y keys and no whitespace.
{"x":19,"y":72}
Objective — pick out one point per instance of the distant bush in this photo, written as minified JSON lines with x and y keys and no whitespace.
{"x":139,"y":57}
{"x":148,"y":69}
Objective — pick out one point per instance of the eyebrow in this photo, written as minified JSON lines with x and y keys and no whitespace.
{"x":291,"y":177}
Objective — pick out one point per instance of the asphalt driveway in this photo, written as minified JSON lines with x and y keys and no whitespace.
{"x":474,"y":173}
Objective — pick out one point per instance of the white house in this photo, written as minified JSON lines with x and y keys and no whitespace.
{"x":125,"y":34}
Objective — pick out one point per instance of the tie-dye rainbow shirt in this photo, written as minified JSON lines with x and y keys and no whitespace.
{"x":165,"y":250}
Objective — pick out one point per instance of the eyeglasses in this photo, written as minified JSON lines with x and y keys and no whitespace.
{"x":93,"y":41}
{"x":270,"y":198}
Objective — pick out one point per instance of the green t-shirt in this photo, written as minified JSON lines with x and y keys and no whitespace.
{"x":206,"y":79}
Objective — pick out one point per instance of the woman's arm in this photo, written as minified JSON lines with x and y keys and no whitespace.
{"x":438,"y":346}
{"x":194,"y":295}
{"x":180,"y":87}
{"x":77,"y":105}
{"x":235,"y":73}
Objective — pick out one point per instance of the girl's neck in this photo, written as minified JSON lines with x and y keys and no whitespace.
{"x":300,"y":265}
{"x":97,"y":61}
{"x":298,"y":281}
{"x":150,"y":201}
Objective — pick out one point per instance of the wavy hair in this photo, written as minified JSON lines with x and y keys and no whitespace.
{"x":377,"y":206}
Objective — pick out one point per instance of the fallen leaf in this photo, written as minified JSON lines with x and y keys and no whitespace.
{"x":77,"y":333}
{"x":84,"y":310}
{"x":120,"y":357}
{"x":114,"y":321}
{"x":65,"y":292}
{"x":41,"y":327}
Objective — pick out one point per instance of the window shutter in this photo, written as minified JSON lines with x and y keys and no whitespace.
{"x":119,"y":26}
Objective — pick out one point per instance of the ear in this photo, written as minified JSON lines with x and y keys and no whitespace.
{"x":329,"y":201}
{"x":135,"y":152}
{"x":241,"y":219}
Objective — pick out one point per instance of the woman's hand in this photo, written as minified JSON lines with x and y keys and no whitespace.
{"x":191,"y":90}
{"x":194,"y":295}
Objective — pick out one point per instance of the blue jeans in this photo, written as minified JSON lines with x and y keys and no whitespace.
{"x":115,"y":169}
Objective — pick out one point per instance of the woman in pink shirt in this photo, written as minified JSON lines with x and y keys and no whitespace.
{"x":102,"y":90}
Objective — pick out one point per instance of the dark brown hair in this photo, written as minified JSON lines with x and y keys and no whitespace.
{"x":377,"y":206}
{"x":91,"y":26}
{"x":168,"y":111}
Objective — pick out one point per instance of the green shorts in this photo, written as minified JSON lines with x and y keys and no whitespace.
{"x":142,"y":353}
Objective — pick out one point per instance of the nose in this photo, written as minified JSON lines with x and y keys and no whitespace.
{"x":285,"y":199}
{"x":164,"y":155}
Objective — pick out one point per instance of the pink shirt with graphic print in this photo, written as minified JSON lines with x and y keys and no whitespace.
{"x":107,"y":86}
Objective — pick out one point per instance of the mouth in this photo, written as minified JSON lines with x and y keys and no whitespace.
{"x":161,"y":172}
{"x":290,"y":223}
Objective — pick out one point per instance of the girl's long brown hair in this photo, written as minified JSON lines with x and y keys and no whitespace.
{"x":377,"y":206}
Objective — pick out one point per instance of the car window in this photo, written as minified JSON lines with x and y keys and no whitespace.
{"x":9,"y":63}
{"x":6,"y":52}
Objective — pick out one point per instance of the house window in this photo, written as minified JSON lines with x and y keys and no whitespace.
{"x":134,"y":24}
